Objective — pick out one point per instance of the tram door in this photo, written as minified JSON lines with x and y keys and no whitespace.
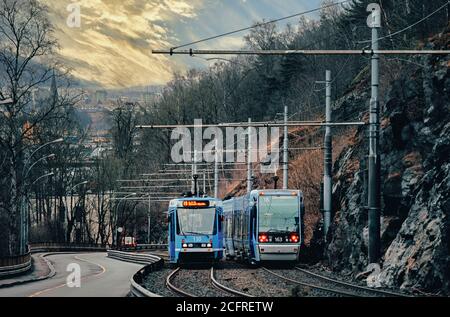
{"x":253,"y":228}
{"x":172,"y":236}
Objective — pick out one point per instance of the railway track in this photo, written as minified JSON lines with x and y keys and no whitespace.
{"x":175,"y":289}
{"x":305,"y":278}
{"x":311,"y":285}
{"x":217,"y":289}
{"x":331,"y":286}
{"x":222,"y":287}
{"x":351,"y":286}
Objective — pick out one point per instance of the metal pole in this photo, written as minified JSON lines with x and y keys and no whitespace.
{"x":327,"y":178}
{"x":249,"y":159}
{"x":363,"y":52}
{"x":22,"y":225}
{"x":204,"y":183}
{"x":216,"y":173}
{"x":193,"y":172}
{"x":286,"y":151}
{"x":374,"y":134}
{"x":255,"y":125}
{"x":149,"y":220}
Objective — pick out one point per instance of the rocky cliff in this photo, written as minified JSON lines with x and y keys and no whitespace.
{"x":415,"y":146}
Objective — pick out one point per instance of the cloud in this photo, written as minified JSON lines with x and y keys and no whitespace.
{"x":113,"y":45}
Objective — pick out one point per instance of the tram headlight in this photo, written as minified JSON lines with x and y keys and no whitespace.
{"x":190,"y":245}
{"x":209,"y":245}
{"x":204,"y":245}
{"x":185,"y":245}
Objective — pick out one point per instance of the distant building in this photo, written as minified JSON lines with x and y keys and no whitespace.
{"x":148,"y":97}
{"x":100,"y":96}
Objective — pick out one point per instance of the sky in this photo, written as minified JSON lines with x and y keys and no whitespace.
{"x":112,"y":45}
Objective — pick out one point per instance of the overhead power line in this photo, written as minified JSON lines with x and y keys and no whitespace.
{"x":408,"y":27}
{"x":363,"y":52}
{"x":261,"y":24}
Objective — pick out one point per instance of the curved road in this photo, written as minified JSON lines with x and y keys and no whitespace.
{"x":100,"y":277}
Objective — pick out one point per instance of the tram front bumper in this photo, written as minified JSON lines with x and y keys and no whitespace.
{"x":279,"y":252}
{"x":198,"y":250}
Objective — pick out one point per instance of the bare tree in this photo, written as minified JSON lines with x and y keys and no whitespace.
{"x":26,"y":50}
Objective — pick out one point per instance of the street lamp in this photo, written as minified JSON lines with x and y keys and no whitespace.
{"x":80,"y":184}
{"x":116,"y":216}
{"x":37,"y":162}
{"x":78,"y":216}
{"x":23,"y":217}
{"x":60,"y":140}
{"x":42,"y":177}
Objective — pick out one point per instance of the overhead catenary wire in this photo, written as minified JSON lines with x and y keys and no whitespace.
{"x":408,"y":27}
{"x":361,"y":52}
{"x":261,"y":24}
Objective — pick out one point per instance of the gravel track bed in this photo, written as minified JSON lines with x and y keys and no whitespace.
{"x":253,"y":282}
{"x":198,"y":283}
{"x":306,"y":278}
{"x":155,"y":282}
{"x":296,"y":289}
{"x":321,"y":270}
{"x":348,"y":279}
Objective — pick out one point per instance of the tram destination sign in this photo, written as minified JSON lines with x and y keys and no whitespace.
{"x":195,"y":204}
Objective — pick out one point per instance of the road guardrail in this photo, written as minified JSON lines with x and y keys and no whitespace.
{"x":152,"y":262}
{"x":66,"y":247}
{"x":16,"y":265}
{"x":145,"y":247}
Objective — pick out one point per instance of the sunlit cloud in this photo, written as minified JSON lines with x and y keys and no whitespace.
{"x":112,"y":48}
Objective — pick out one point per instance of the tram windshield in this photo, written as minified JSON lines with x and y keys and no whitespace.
{"x":196,"y":221}
{"x":279,"y":214}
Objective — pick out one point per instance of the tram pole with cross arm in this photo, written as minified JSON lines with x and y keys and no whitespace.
{"x":328,"y":159}
{"x":286,"y":150}
{"x":374,"y":22}
{"x":374,"y":207}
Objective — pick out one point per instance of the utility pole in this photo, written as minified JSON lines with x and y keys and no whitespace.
{"x":149,"y":220}
{"x":249,"y":158}
{"x":204,"y":183}
{"x":216,"y":172}
{"x":328,"y":163}
{"x":374,"y":22}
{"x":194,"y":172}
{"x":286,"y":150}
{"x":275,"y":181}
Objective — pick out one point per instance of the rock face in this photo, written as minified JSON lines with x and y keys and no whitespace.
{"x":415,"y":146}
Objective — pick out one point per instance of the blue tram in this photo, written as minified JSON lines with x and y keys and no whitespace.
{"x":195,"y":230}
{"x":265,"y":225}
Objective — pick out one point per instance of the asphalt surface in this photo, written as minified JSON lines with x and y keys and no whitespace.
{"x":100,"y":277}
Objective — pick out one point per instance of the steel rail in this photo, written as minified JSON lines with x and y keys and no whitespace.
{"x":362,"y":288}
{"x":175,"y":289}
{"x":225,"y":288}
{"x":324,"y":289}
